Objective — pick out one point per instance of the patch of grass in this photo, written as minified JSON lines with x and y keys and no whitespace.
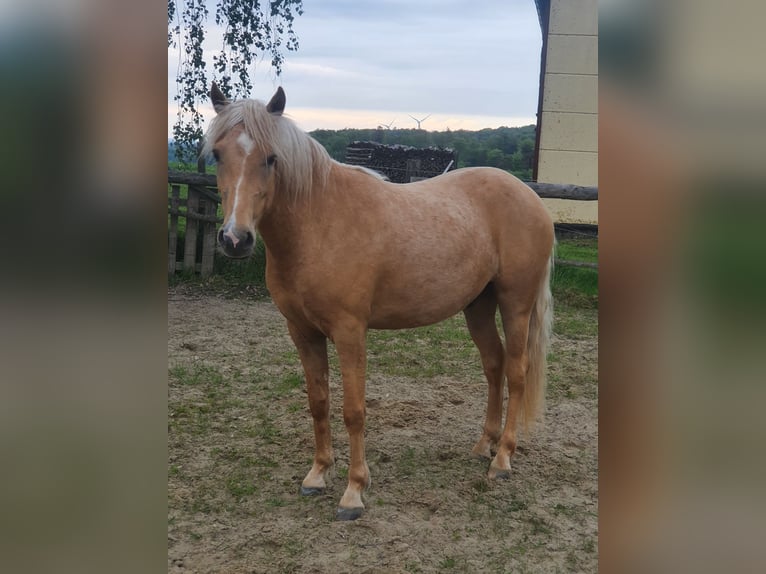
{"x":480,"y":485}
{"x":245,"y":459}
{"x":577,"y":286}
{"x":516,"y":504}
{"x":407,"y":463}
{"x":240,"y":484}
{"x":286,"y":385}
{"x":231,"y":277}
{"x":194,"y":419}
{"x":573,"y":322}
{"x":213,"y":397}
{"x":202,"y":500}
{"x":539,"y":526}
{"x":569,"y":511}
{"x":263,"y":427}
{"x":580,"y":248}
{"x":448,"y":563}
{"x":295,"y":407}
{"x":294,"y":547}
{"x":572,"y":561}
{"x":198,"y":375}
{"x":517,"y":550}
{"x":430,"y":351}
{"x":566,"y":381}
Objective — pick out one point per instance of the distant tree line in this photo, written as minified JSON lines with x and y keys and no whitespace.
{"x":511,"y":149}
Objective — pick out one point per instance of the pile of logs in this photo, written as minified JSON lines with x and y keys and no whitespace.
{"x":401,"y":164}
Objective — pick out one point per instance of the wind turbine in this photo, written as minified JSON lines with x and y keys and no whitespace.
{"x":421,"y":120}
{"x":387,"y":126}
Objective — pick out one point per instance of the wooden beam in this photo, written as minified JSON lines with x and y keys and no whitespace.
{"x":208,"y":239}
{"x":192,"y":226}
{"x":197,"y":216}
{"x":191,"y":178}
{"x":564,"y":191}
{"x":568,"y":263}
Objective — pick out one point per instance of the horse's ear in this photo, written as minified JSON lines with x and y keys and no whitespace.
{"x":277,"y":104}
{"x":219,"y":100}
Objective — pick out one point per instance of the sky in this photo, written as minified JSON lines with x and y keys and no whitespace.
{"x":360,"y":64}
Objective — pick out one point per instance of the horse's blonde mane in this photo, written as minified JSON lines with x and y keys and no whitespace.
{"x":368,"y":171}
{"x":302,"y":163}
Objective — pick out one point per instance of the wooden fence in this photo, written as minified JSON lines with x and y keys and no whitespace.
{"x":200,"y":210}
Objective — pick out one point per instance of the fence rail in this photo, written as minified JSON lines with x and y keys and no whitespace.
{"x":200,"y":211}
{"x":564,"y":191}
{"x":571,"y":263}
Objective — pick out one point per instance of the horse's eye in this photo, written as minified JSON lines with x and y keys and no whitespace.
{"x":271,"y":160}
{"x":216,"y":155}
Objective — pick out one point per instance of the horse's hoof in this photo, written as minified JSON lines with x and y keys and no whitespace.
{"x":311,"y":491}
{"x":349,"y":513}
{"x":482,"y":450}
{"x":499,"y":474}
{"x":481,"y":455}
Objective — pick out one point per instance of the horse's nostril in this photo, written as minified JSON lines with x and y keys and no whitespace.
{"x":236,"y":243}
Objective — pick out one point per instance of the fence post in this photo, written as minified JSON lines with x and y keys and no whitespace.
{"x":192,"y":226}
{"x":413,"y":169}
{"x":173,"y":231}
{"x":208,"y":207}
{"x":208,"y":239}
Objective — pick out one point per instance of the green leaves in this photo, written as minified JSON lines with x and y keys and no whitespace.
{"x":252,"y":31}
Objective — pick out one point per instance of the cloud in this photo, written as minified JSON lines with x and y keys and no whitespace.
{"x":449,"y":58}
{"x":313,"y":70}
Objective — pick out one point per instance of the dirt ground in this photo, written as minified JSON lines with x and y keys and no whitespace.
{"x":240,"y":442}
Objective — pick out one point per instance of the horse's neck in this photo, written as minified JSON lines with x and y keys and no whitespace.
{"x":286,"y":223}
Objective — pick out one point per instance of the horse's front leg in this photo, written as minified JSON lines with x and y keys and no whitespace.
{"x":350,"y":343}
{"x":312,"y":348}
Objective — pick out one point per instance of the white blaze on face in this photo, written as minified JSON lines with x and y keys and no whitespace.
{"x":246,"y":142}
{"x":247,"y":145}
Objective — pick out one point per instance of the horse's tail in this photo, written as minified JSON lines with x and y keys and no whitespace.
{"x":540,"y":327}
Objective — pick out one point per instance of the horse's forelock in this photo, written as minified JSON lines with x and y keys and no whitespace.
{"x":300,"y":160}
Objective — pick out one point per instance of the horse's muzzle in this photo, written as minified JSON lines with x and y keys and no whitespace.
{"x":236,"y":243}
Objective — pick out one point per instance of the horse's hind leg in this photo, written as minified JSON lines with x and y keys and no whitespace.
{"x":516,"y":327}
{"x":480,"y":317}
{"x":312,"y":348}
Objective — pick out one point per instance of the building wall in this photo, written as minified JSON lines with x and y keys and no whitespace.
{"x":568,"y":147}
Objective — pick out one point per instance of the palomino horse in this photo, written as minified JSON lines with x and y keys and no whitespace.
{"x":347,"y":251}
